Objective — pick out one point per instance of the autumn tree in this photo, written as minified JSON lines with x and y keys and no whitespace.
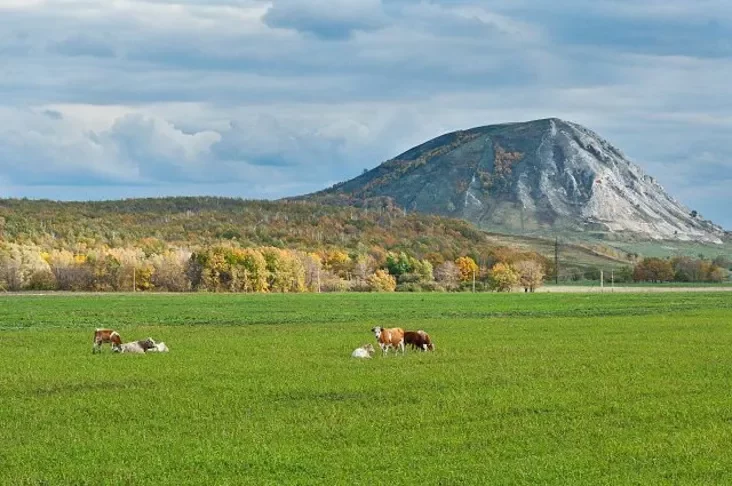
{"x":70,"y":270}
{"x":653,"y":270}
{"x":530,"y":274}
{"x":169,"y":270}
{"x":18,"y":264}
{"x":381,"y":281}
{"x":285,"y":269}
{"x":251,"y":270}
{"x":467,"y":267}
{"x":312,"y":267}
{"x":502,"y":277}
{"x":336,"y":261}
{"x":424,"y":269}
{"x":448,"y":275}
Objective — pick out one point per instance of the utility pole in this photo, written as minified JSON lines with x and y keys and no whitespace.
{"x":556,"y":260}
{"x":602,"y":280}
{"x":473,"y":281}
{"x":612,"y":280}
{"x":134,"y":279}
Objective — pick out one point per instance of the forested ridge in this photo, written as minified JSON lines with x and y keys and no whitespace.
{"x":235,"y":245}
{"x":201,"y":221}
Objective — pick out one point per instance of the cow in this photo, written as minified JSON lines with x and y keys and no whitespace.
{"x":158,"y":348}
{"x":102,"y":336}
{"x":389,"y":338}
{"x":419,"y":340}
{"x":137,"y":347}
{"x":365,"y":351}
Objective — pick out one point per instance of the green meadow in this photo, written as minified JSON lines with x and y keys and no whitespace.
{"x":551,"y":389}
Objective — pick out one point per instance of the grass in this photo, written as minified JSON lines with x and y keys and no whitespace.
{"x":523,"y":389}
{"x":675,"y":248}
{"x":608,"y":284}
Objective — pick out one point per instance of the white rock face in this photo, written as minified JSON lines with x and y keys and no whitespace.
{"x":609,"y":189}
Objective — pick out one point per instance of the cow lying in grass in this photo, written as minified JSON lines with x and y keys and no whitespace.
{"x":419,"y":340}
{"x":102,"y":336}
{"x":137,"y":347}
{"x":365,"y":351}
{"x":389,"y":338}
{"x":158,"y":348}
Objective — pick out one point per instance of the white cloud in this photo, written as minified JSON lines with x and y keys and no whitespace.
{"x":285,"y":96}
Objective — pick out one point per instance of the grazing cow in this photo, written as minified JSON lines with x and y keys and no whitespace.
{"x":137,"y":347}
{"x":419,"y":340}
{"x":158,"y":348}
{"x":389,"y":338}
{"x":365,"y":351}
{"x":102,"y":336}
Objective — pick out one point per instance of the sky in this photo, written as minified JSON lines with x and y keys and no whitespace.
{"x":111,"y":99}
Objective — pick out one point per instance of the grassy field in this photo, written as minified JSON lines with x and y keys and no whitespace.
{"x":523,"y":389}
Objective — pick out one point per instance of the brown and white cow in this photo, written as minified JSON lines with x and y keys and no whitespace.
{"x":102,"y":336}
{"x":419,"y":340}
{"x":389,"y":338}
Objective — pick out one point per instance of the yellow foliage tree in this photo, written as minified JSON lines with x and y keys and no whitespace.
{"x":503,"y":278}
{"x":467,"y":267}
{"x":381,"y":281}
{"x":251,"y":270}
{"x":336,"y":261}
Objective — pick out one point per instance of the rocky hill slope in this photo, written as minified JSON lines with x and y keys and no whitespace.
{"x":535,"y":177}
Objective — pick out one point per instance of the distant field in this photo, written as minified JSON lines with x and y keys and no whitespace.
{"x":578,"y":250}
{"x":260,"y":389}
{"x":635,"y":287}
{"x":675,"y":248}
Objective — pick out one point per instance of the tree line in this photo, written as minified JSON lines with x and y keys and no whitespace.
{"x":682,"y":269}
{"x":232,"y":268}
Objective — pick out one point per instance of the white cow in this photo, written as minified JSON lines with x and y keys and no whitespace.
{"x":158,"y":348}
{"x":137,"y":347}
{"x":365,"y":351}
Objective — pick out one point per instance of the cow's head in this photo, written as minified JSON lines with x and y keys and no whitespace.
{"x":148,"y":343}
{"x":369,"y":349}
{"x":377,"y":331}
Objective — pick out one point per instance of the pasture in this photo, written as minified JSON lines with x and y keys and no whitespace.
{"x":260,"y":389}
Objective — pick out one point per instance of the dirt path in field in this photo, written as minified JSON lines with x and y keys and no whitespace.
{"x":608,"y":289}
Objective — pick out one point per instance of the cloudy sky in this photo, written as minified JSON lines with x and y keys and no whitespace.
{"x":105,"y":99}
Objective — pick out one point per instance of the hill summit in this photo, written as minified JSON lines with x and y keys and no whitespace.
{"x":540,"y":176}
